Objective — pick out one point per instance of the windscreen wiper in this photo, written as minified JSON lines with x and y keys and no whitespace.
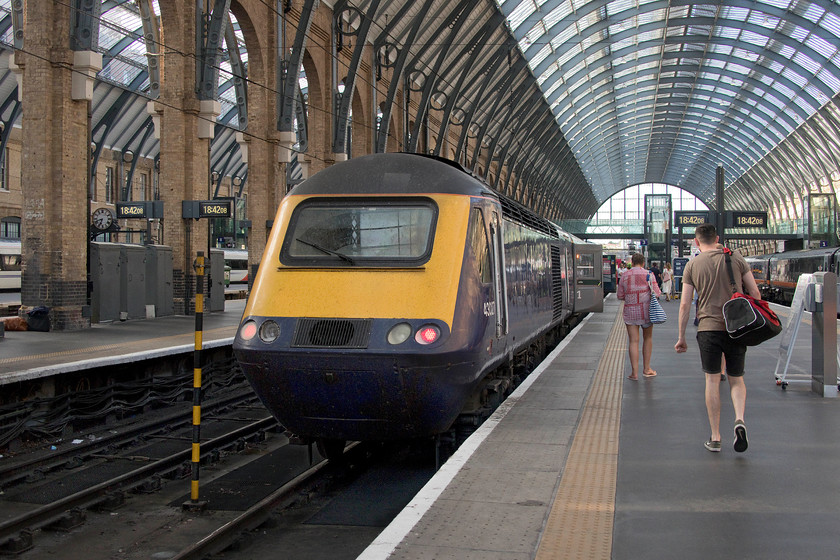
{"x":341,"y":256}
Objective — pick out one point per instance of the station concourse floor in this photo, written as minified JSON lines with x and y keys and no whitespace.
{"x":582,"y":463}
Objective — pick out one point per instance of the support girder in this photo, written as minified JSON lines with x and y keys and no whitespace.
{"x":344,"y":100}
{"x":209,"y":34}
{"x":84,"y":24}
{"x":290,"y":69}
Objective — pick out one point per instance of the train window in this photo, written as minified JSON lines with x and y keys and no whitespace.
{"x":360,"y":232}
{"x":480,"y":246}
{"x":10,"y":262}
{"x":585,"y":265}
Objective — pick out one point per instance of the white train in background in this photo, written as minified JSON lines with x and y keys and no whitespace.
{"x":237,"y":260}
{"x":9,"y":265}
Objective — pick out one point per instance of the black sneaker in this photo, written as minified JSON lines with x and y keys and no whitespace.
{"x":712,"y":445}
{"x":741,"y":442}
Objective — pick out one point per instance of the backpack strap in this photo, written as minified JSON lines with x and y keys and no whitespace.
{"x":727,"y":255}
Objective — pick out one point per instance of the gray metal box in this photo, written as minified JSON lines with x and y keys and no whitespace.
{"x":159,"y":289}
{"x":215,"y":273}
{"x":105,"y":268}
{"x":133,"y":281}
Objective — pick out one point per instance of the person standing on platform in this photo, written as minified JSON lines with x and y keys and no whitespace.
{"x":706,"y":273}
{"x":654,"y":269}
{"x":635,"y":291}
{"x":667,"y":281}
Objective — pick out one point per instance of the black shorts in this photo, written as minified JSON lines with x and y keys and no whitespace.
{"x":713,"y":345}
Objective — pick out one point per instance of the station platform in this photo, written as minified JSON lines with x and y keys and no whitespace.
{"x":29,"y":355}
{"x":581,"y":462}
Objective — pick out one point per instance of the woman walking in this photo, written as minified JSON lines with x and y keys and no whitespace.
{"x":635,"y":290}
{"x":667,"y":281}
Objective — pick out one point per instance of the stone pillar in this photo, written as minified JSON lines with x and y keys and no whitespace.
{"x":184,"y":157}
{"x":55,"y":167}
{"x":268,"y":150}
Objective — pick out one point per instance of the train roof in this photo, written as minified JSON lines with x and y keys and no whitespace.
{"x":405,"y":173}
{"x":398,"y":173}
{"x":798,"y":253}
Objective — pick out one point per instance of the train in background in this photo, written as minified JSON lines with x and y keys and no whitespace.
{"x":777,"y":274}
{"x":10,"y":262}
{"x":237,"y":260}
{"x":397,"y":292}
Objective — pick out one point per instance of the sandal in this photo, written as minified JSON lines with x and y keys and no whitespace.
{"x":651,"y":374}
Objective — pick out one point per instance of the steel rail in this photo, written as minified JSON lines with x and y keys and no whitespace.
{"x":56,"y":459}
{"x":256,"y":515}
{"x":47,"y":514}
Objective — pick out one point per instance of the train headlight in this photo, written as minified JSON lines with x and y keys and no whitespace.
{"x":427,"y":334}
{"x":269,"y":331}
{"x":399,"y":333}
{"x":248,"y":330}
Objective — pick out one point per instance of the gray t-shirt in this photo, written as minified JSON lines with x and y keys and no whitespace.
{"x":707,"y":273}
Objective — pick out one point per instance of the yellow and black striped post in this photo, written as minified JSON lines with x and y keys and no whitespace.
{"x":199,"y":328}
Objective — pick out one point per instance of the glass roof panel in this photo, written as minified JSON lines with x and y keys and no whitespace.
{"x":562,"y":10}
{"x":522,"y":12}
{"x":752,"y":70}
{"x":832,"y":80}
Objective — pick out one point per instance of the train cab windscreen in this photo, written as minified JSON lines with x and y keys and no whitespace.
{"x":360,"y":233}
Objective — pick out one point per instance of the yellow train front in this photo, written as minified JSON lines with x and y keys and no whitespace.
{"x":393,"y":291}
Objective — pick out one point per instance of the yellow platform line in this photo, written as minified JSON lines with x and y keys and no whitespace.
{"x":155,"y":343}
{"x":580,"y":524}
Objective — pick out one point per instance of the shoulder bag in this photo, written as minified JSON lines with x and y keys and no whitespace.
{"x":748,"y":320}
{"x":656,"y":314}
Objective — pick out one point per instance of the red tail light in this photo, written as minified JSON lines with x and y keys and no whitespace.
{"x":248,"y":330}
{"x":427,"y":334}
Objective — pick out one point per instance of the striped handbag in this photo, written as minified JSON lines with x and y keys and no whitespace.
{"x":656,"y":314}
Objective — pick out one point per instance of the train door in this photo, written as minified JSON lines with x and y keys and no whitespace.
{"x":589,"y":289}
{"x":499,"y":275}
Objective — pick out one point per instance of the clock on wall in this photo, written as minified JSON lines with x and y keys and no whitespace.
{"x":102,"y":218}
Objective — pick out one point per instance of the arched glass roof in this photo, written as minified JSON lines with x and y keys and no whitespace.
{"x":664,"y":91}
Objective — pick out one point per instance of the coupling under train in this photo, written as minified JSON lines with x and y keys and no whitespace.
{"x":777,"y":274}
{"x":397,"y":291}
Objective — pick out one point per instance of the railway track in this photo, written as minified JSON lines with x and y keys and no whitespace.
{"x":36,"y":465}
{"x":255,"y":516}
{"x":222,"y":526}
{"x":17,"y":533}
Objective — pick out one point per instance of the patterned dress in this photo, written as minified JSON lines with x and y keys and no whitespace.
{"x":634,"y":289}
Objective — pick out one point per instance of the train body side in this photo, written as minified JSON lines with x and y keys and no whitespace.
{"x":777,"y":274}
{"x":336,"y":369}
{"x":785,"y":269}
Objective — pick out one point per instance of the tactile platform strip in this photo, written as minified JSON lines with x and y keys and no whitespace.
{"x":580,"y":524}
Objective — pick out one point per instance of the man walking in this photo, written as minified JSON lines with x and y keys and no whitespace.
{"x":707,"y":274}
